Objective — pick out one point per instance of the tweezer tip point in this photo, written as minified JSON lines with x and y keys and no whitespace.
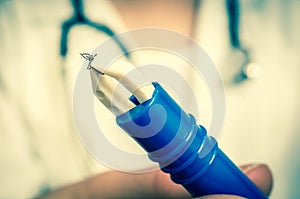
{"x":90,"y":58}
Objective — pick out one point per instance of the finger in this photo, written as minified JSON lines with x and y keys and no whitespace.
{"x":117,"y":184}
{"x":261,"y":175}
{"x":159,"y":185}
{"x":160,"y":182}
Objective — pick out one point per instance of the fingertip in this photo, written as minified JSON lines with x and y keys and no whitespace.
{"x":261,"y":175}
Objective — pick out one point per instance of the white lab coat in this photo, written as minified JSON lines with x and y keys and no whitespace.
{"x":40,"y":148}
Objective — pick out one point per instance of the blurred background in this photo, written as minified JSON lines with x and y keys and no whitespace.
{"x":39,"y":146}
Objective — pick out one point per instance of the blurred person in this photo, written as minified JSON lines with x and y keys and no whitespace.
{"x":40,"y":152}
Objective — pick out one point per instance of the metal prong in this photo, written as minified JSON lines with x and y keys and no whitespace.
{"x":106,"y":90}
{"x":97,"y":71}
{"x":90,"y":58}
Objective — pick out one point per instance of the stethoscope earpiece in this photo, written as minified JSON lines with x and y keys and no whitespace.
{"x":252,"y":70}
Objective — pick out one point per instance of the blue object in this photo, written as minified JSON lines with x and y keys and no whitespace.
{"x":182,"y":148}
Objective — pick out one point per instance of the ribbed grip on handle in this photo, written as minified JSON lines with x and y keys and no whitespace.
{"x":182,"y":148}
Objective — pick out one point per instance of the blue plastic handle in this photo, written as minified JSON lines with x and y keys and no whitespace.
{"x":182,"y":148}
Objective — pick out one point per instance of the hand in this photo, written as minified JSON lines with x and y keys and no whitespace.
{"x":115,"y":184}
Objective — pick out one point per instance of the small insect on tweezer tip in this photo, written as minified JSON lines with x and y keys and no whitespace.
{"x":90,"y":58}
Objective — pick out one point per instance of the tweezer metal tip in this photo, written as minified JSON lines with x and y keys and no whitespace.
{"x":90,"y":58}
{"x":97,"y":71}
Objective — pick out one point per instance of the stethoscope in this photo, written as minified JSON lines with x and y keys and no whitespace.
{"x":247,"y":70}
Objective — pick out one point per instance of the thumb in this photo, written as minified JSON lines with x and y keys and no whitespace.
{"x":260,"y":174}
